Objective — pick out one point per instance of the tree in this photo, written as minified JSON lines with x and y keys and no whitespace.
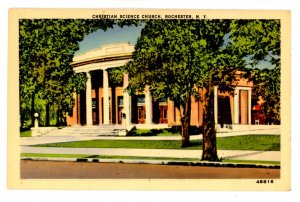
{"x":259,"y":42}
{"x":46,"y":49}
{"x":175,"y":58}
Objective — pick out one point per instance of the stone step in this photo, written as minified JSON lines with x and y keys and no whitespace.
{"x":103,"y":130}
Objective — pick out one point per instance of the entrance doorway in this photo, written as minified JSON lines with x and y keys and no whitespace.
{"x":224,"y":112}
{"x":141,"y":114}
{"x":163,"y":114}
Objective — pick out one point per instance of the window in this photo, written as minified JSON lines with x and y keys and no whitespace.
{"x":94,"y":103}
{"x":141,"y":99}
{"x":120,"y":101}
{"x":165,"y":111}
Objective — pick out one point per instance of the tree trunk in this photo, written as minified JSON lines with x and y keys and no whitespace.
{"x":32,"y":110}
{"x":209,"y":147}
{"x":185,"y":140}
{"x":58,"y":117}
{"x":185,"y":122}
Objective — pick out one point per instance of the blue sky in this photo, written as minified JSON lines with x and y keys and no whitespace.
{"x":126,"y":34}
{"x":114,"y":35}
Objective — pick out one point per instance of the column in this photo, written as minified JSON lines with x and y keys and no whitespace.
{"x":105,"y":97}
{"x":216,"y":104}
{"x":236,"y":106}
{"x":89,"y":118}
{"x":249,"y":106}
{"x":148,"y":103}
{"x":78,"y":109}
{"x":75,"y":110}
{"x":126,"y":101}
{"x":170,"y":112}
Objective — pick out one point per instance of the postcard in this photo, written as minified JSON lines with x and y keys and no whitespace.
{"x":149,"y":99}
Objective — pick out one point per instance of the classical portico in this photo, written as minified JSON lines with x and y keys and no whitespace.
{"x":104,"y":103}
{"x":98,"y":93}
{"x":233,"y":108}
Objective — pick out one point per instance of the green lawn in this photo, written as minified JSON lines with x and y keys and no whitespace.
{"x":106,"y":157}
{"x":154,"y":132}
{"x":250,"y":142}
{"x":245,"y":142}
{"x":26,"y":133}
{"x":174,"y":131}
{"x":251,"y":162}
{"x":138,"y":144}
{"x":86,"y":156}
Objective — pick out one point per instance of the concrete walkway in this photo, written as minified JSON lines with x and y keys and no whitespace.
{"x":225,"y":154}
{"x":26,"y":141}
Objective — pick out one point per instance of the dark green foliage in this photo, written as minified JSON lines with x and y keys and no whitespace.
{"x":26,"y":133}
{"x":267,"y":87}
{"x":177,"y":57}
{"x":259,"y":40}
{"x":116,"y":76}
{"x":46,"y":50}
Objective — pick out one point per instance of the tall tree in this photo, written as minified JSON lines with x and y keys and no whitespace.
{"x":173,"y":58}
{"x":46,"y":49}
{"x":257,"y":42}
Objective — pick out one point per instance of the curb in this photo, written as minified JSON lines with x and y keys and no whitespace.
{"x":157,"y":162}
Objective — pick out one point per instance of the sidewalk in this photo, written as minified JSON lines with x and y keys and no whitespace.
{"x":26,"y":141}
{"x":225,"y":154}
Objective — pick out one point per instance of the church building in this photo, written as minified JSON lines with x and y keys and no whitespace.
{"x":105,"y":104}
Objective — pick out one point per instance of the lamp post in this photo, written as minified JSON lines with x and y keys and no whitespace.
{"x":36,"y":122}
{"x":124,"y":118}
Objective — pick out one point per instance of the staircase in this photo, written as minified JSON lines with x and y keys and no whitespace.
{"x":102,"y":130}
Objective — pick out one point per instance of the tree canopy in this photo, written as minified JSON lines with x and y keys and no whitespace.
{"x":259,"y":41}
{"x":176,"y":57}
{"x":46,"y":50}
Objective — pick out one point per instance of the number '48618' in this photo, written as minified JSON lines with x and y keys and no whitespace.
{"x":264,"y":181}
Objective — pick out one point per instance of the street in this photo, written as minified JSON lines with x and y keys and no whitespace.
{"x":88,"y":170}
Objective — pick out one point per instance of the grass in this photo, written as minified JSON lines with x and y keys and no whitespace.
{"x":245,"y":142}
{"x":26,"y":133}
{"x":174,"y":131}
{"x":137,"y":144}
{"x":86,"y":156}
{"x":250,"y":142}
{"x":107,"y":157}
{"x":277,"y":163}
{"x":153,"y":132}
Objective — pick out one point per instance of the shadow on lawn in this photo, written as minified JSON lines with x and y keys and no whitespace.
{"x":174,"y":130}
